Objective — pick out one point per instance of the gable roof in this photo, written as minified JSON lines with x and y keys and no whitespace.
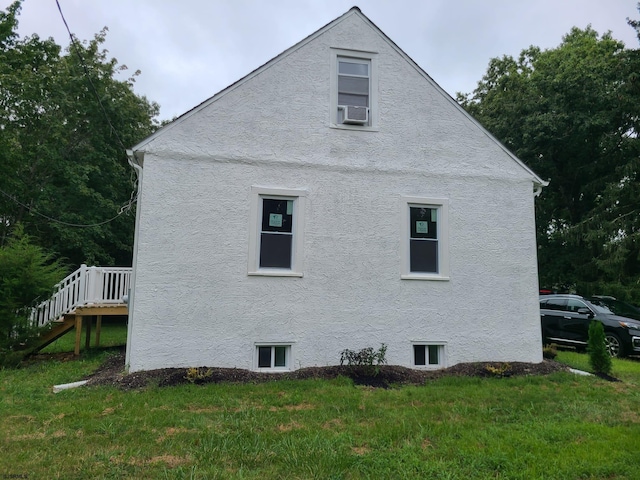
{"x":352,"y":11}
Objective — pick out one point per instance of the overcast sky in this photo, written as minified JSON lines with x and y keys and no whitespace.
{"x":188,"y":50}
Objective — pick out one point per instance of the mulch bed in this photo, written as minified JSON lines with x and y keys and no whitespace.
{"x":111,"y":372}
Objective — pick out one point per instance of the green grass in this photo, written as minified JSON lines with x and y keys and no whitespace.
{"x":113,"y":333}
{"x":559,"y":427}
{"x":622,"y":368}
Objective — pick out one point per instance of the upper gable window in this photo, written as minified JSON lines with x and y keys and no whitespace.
{"x":353,"y":92}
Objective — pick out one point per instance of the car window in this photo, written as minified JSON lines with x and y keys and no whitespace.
{"x":616,"y":306}
{"x":619,"y":307}
{"x":574,"y":305}
{"x":601,"y":307}
{"x":555,"y":304}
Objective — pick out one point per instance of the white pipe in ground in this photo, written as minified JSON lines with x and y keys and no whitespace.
{"x":67,"y":386}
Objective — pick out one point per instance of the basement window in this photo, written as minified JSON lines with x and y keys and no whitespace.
{"x":273,"y":357}
{"x":428,"y":355}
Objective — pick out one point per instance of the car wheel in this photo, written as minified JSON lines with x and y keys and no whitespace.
{"x":613,"y":344}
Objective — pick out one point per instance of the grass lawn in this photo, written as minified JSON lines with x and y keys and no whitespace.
{"x":556,"y":427}
{"x":627,"y":370}
{"x":112,"y":333}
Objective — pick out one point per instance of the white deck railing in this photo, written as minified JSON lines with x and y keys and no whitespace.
{"x":86,"y":286}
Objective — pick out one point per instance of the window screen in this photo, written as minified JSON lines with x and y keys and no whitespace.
{"x":276,"y":238}
{"x":419,"y":355}
{"x":280,"y":357}
{"x":264,"y":357}
{"x":423,"y":239}
{"x":353,"y":84}
{"x":426,"y":353}
{"x":434,"y":358}
{"x":272,"y":356}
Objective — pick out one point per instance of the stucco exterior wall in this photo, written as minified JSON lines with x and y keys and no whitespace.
{"x":194,"y":303}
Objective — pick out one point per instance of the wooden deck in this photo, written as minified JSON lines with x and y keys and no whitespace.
{"x":86,"y":293}
{"x":98,"y":311}
{"x":76,"y":319}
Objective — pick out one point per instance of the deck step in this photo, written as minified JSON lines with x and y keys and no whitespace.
{"x":58,"y":328}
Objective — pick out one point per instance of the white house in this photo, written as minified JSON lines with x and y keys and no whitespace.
{"x":334,"y":198}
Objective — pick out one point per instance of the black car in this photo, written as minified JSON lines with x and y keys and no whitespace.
{"x":565,"y":320}
{"x":618,"y":307}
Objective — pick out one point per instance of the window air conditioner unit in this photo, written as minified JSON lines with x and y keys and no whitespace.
{"x":354,"y":115}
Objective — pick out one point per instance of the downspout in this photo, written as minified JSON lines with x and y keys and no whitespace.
{"x":538,"y":188}
{"x":537,"y":191}
{"x":136,"y":164}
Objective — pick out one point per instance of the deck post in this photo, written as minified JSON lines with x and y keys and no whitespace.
{"x":92,"y":285}
{"x":82,"y":286}
{"x":87,"y":339}
{"x":76,"y":350}
{"x":98,"y":328}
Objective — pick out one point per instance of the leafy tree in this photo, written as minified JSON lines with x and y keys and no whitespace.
{"x":572,"y":114}
{"x":26,"y":273}
{"x":65,"y":122}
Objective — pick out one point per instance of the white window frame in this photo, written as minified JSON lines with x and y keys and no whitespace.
{"x":442,"y":206}
{"x":255,"y":229}
{"x":372,"y":59}
{"x":442,"y":354}
{"x":273,"y":345}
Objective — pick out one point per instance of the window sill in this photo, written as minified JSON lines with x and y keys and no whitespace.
{"x":275,"y":273}
{"x":359,"y":128}
{"x":424,"y":276}
{"x":438,"y":366}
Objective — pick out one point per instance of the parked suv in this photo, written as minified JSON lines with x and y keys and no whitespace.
{"x":618,"y":307}
{"x":565,"y":320}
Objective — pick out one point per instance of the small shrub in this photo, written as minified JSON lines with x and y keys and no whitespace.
{"x":500,"y":370}
{"x":198,"y":374}
{"x":10,"y":358}
{"x":550,"y":351}
{"x":599,"y":357}
{"x":26,"y":272}
{"x":368,"y":358}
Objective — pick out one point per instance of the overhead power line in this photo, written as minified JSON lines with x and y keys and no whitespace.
{"x":128,"y":205}
{"x":76,"y":48}
{"x":122,"y":210}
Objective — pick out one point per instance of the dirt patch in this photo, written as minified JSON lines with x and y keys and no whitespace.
{"x":111,"y":372}
{"x":50,"y":357}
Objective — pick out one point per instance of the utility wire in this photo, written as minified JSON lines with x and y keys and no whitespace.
{"x":34,"y":211}
{"x":134,"y":194}
{"x":86,"y":72}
